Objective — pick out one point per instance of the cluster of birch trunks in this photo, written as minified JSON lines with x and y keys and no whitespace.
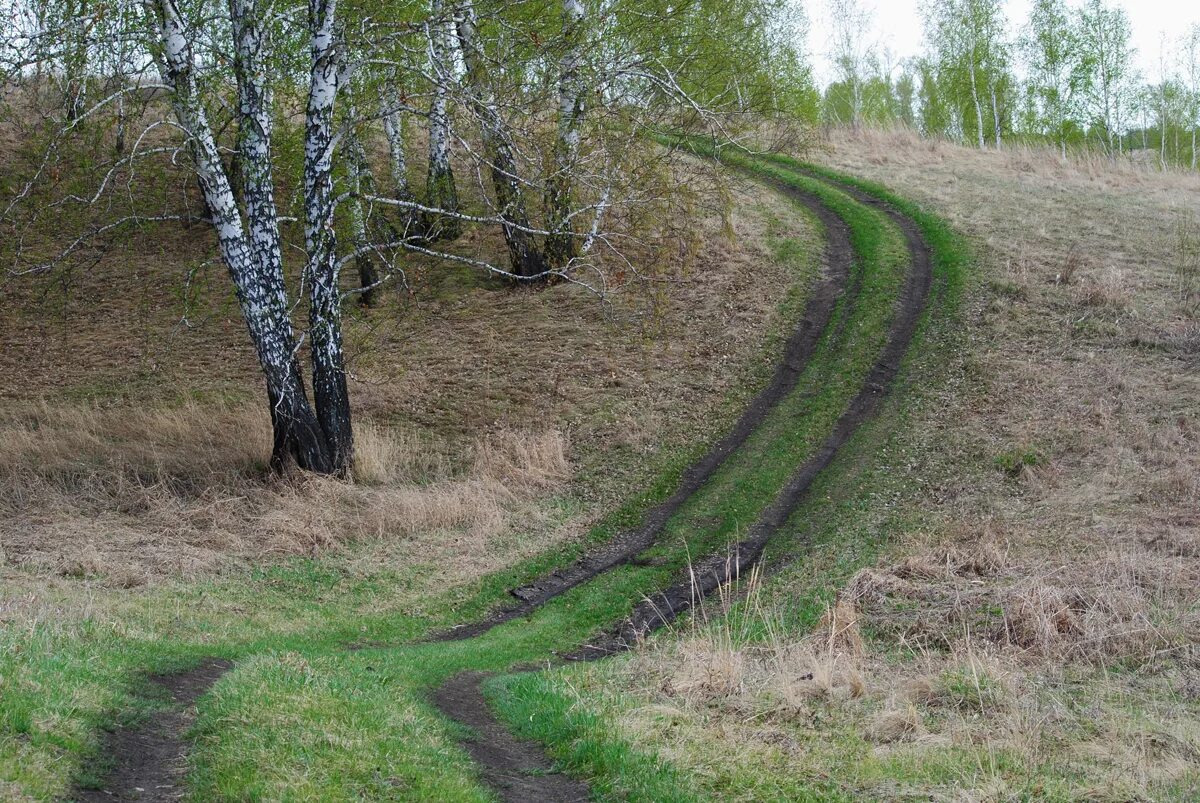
{"x":533,"y":101}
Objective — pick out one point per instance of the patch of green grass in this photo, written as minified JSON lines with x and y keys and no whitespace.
{"x":970,"y":690}
{"x":583,"y":739}
{"x":1013,"y":461}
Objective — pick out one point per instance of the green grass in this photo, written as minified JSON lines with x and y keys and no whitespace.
{"x":301,"y":718}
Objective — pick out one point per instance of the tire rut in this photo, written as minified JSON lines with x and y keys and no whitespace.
{"x":836,"y":282}
{"x":517,"y":770}
{"x":149,"y":760}
{"x":720,"y":568}
{"x":493,"y":745}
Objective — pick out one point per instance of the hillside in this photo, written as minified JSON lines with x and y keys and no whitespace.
{"x":960,"y":417}
{"x":1001,"y":604}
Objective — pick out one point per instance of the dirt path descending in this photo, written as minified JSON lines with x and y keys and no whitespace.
{"x":834,"y":283}
{"x":517,"y":770}
{"x":150,"y":760}
{"x":494,"y":746}
{"x":720,"y":568}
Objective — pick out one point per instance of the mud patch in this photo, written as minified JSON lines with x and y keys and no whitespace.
{"x":149,"y":761}
{"x":518,"y":771}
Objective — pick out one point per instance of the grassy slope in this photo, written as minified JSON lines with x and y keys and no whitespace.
{"x":62,"y":679}
{"x":977,"y":677}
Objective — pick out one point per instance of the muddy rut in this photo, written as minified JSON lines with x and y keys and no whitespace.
{"x":149,"y":760}
{"x":835,"y":282}
{"x":498,"y":752}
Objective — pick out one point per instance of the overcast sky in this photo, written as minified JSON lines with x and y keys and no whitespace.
{"x":897,"y":25}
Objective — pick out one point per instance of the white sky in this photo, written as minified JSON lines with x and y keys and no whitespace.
{"x":897,"y":25}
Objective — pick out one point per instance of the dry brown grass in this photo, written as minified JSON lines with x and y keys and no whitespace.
{"x":135,"y":445}
{"x":129,"y":494}
{"x":1082,"y":344}
{"x":1034,"y":623}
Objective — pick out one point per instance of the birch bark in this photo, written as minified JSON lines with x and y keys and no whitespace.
{"x":440,"y":190}
{"x":330,"y":393}
{"x":297,"y":434}
{"x":560,"y":244}
{"x":526,"y":259}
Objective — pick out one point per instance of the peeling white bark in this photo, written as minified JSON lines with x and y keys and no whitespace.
{"x":325,"y":328}
{"x":257,"y":275}
{"x":560,"y":246}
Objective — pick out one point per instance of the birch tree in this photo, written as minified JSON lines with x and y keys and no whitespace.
{"x":970,"y":56}
{"x":1054,"y":54}
{"x":560,"y":243}
{"x":1190,"y":47}
{"x":525,"y":256}
{"x":1108,"y":56}
{"x":440,"y":189}
{"x":252,"y":256}
{"x":852,"y":53}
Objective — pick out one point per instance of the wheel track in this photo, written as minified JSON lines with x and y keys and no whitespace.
{"x":501,"y":755}
{"x":720,"y":568}
{"x":148,"y":760}
{"x":838,"y":281}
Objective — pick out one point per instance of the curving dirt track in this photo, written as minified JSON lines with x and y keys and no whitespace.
{"x":837,"y":281}
{"x":718,"y":569}
{"x":493,"y":746}
{"x":149,"y":760}
{"x":514,"y":768}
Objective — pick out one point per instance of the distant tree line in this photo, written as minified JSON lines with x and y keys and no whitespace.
{"x":1064,"y":76}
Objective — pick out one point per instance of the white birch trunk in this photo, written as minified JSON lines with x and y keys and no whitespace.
{"x":297,"y":434}
{"x":393,"y":129}
{"x":330,"y":393}
{"x":995,"y":114}
{"x":440,"y":190}
{"x":560,"y":244}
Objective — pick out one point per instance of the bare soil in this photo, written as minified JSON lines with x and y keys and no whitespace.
{"x":150,"y":759}
{"x":518,"y":771}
